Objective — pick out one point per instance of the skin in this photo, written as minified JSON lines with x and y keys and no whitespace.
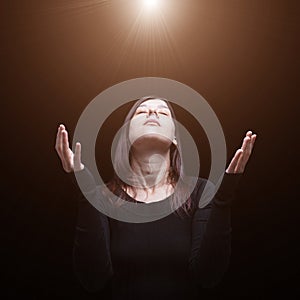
{"x":150,"y":149}
{"x":242,"y":155}
{"x":71,"y":161}
{"x":162,"y":134}
{"x":151,"y":133}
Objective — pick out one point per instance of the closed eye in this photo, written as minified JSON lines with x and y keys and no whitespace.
{"x":141,"y":111}
{"x":164,"y":112}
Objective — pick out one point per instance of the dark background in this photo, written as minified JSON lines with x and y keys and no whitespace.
{"x":56,"y":56}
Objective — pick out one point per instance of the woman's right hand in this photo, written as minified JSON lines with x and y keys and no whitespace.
{"x":71,"y":162}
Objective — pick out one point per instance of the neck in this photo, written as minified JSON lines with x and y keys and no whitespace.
{"x":151,"y":168}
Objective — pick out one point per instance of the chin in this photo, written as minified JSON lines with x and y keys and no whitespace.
{"x":152,"y":141}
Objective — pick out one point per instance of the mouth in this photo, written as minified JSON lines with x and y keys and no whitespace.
{"x":152,"y":122}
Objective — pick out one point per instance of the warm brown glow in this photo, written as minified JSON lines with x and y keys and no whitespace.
{"x":151,"y":4}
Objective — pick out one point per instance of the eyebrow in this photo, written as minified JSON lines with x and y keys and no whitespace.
{"x":159,"y":106}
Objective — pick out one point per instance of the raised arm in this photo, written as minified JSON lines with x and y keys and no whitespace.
{"x":91,"y":252}
{"x":211,"y":236}
{"x":211,"y":227}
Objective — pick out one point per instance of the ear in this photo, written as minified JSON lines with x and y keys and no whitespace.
{"x":174,"y":141}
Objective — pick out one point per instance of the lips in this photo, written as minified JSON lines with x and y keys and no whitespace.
{"x":152,"y":121}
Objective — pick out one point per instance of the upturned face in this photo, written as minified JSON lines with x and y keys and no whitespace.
{"x":152,"y":121}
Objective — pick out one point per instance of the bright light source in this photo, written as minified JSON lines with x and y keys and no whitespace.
{"x":151,"y":3}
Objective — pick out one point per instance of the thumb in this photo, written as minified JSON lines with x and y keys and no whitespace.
{"x":78,"y":166}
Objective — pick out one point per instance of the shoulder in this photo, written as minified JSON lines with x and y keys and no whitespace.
{"x":205,"y":192}
{"x":202,"y":193}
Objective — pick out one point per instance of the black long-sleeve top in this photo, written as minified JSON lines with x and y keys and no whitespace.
{"x":164,"y":259}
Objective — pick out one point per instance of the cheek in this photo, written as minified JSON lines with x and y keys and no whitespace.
{"x":135,"y":123}
{"x":169,"y":128}
{"x":135,"y":126}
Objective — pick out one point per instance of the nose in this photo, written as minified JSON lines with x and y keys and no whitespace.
{"x":152,"y":111}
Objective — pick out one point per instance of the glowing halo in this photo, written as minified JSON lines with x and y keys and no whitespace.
{"x":150,"y":4}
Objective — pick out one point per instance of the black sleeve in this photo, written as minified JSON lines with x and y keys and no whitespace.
{"x":91,"y":252}
{"x":211,"y":235}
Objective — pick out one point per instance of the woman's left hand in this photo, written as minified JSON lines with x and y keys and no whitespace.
{"x":242,"y":155}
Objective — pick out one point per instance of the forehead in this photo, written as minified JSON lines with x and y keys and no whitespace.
{"x":154,"y":103}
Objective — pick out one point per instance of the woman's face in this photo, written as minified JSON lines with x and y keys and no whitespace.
{"x":152,"y":121}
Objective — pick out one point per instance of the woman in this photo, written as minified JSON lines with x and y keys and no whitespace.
{"x":171,"y":257}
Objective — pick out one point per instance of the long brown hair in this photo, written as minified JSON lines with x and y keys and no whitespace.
{"x":176,"y":171}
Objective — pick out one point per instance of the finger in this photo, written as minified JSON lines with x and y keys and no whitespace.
{"x":59,"y":147}
{"x":241,"y":164}
{"x":61,"y":127}
{"x":232,"y":166}
{"x":68,"y":155}
{"x":65,"y":141}
{"x":58,"y":142}
{"x":246,"y":141}
{"x":253,"y":139}
{"x":250,"y":144}
{"x":249,"y":133}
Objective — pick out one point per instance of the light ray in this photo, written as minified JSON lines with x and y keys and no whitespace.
{"x":151,"y":4}
{"x":150,"y":38}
